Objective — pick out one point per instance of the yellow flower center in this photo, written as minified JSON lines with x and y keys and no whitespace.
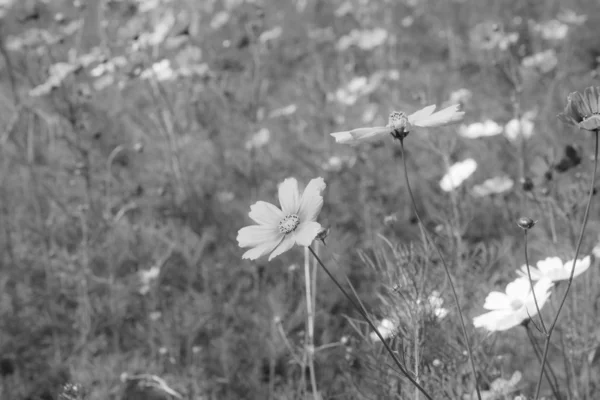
{"x":289,"y":224}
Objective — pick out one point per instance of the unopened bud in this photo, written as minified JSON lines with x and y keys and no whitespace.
{"x":322,"y":235}
{"x":527,"y":184}
{"x":525,"y":223}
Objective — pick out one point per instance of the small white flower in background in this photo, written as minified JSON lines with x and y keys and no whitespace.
{"x":544,"y":61}
{"x":365,"y":39}
{"x":225,"y":196}
{"x":155,"y":315}
{"x":344,"y":9}
{"x":497,"y":185}
{"x":283,"y":111}
{"x":407,"y":21}
{"x":435,"y":303}
{"x":457,"y":174}
{"x":386,"y":328}
{"x":552,"y":30}
{"x":555,"y":270}
{"x":510,"y":309}
{"x":147,"y":276}
{"x":516,"y":129}
{"x":425,"y":118}
{"x":571,"y":17}
{"x":259,"y":139}
{"x":499,"y":388}
{"x":220,"y":19}
{"x":460,"y":96}
{"x":596,"y":251}
{"x":480,"y":129}
{"x":369,"y":114}
{"x":160,"y":70}
{"x":277,"y":230}
{"x":270,"y":35}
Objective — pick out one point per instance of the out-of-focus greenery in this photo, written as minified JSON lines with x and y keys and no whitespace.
{"x":136,"y":134}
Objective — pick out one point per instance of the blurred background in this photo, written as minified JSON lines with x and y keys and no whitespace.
{"x":137,"y":133}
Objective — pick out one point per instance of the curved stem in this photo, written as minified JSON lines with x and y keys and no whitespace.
{"x":554,"y":382}
{"x":366,"y":317}
{"x":437,"y":249}
{"x":537,"y":307}
{"x":584,"y":224}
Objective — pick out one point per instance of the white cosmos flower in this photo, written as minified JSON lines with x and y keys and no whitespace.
{"x":425,"y":118}
{"x":435,"y":303}
{"x":457,"y":174}
{"x":387,"y":329}
{"x":515,"y":129}
{"x":553,"y":269}
{"x":497,"y":185}
{"x":480,"y":129}
{"x":543,"y":61}
{"x":279,"y":229}
{"x":509,"y":309}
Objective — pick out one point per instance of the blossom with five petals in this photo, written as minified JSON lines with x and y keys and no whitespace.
{"x":510,"y":309}
{"x":554,"y":269}
{"x":399,"y":121}
{"x":277,"y":230}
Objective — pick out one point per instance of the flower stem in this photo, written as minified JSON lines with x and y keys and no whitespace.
{"x":578,"y":247}
{"x":537,"y":307}
{"x":366,"y":318}
{"x":554,"y":382}
{"x":310,"y":347}
{"x":424,"y":229}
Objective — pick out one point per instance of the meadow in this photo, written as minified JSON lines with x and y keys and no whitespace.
{"x":138,"y":135}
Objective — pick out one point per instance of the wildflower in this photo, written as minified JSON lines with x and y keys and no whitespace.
{"x":457,"y":174}
{"x":399,"y":122}
{"x":543,"y":61}
{"x":148,"y":276}
{"x":571,"y":17}
{"x":553,"y":269}
{"x":270,"y":35}
{"x":435,"y":305}
{"x":552,"y":30}
{"x":480,"y":129}
{"x":277,"y":230}
{"x":283,"y":111}
{"x":497,"y":185}
{"x":259,"y":139}
{"x":525,"y":223}
{"x":509,"y":309}
{"x":582,"y":110}
{"x":386,"y":328}
{"x":460,"y":96}
{"x":516,"y":128}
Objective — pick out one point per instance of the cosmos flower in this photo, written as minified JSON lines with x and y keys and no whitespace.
{"x":552,"y":30}
{"x":386,"y":328}
{"x":497,"y":185}
{"x":480,"y":129}
{"x":436,"y":305}
{"x":553,"y":269}
{"x":259,"y":139}
{"x":277,"y":230}
{"x":399,"y":121}
{"x":543,"y":61}
{"x":582,"y":110}
{"x":516,"y":129}
{"x":509,"y":309}
{"x":457,"y":174}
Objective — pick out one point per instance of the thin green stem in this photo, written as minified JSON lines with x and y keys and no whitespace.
{"x":462,"y":321}
{"x":553,"y":382}
{"x":537,"y":307}
{"x":310,"y":347}
{"x":585,"y":220}
{"x":373,"y":327}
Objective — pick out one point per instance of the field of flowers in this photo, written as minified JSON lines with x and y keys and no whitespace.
{"x":301,"y":199}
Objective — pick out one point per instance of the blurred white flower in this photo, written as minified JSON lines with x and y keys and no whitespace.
{"x":344,"y":9}
{"x":259,"y":139}
{"x":277,"y":230}
{"x":425,"y":118}
{"x":497,"y":185}
{"x":271,"y":34}
{"x":386,"y":328}
{"x":553,"y":269}
{"x":552,"y":30}
{"x":147,"y":276}
{"x":571,"y":17}
{"x":225,"y":196}
{"x":220,"y":19}
{"x":155,"y":315}
{"x":366,"y":39}
{"x":516,"y":129}
{"x":407,"y":21}
{"x":510,"y":309}
{"x":333,"y":164}
{"x":457,"y":174}
{"x":283,"y":111}
{"x":544,"y":61}
{"x":480,"y":129}
{"x":160,"y":70}
{"x":436,"y":305}
{"x":460,"y":96}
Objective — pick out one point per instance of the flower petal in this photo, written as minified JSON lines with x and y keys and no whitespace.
{"x":260,"y":250}
{"x":518,"y":289}
{"x":497,"y":301}
{"x":423,"y":113}
{"x":591,"y":97}
{"x":306,"y":232}
{"x":581,"y":266}
{"x":536,"y":275}
{"x":448,"y":115}
{"x":499,"y":320}
{"x":579,"y":108}
{"x":361,"y":135}
{"x":289,"y":197}
{"x":566,"y":118}
{"x":591,"y":124}
{"x":542,"y":293}
{"x":312,"y":200}
{"x":255,"y":235}
{"x":286,"y":244}
{"x":549,"y":264}
{"x":264,"y":213}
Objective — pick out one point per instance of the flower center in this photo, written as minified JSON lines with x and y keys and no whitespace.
{"x":515,"y":304}
{"x":398,"y":121}
{"x":289,"y":223}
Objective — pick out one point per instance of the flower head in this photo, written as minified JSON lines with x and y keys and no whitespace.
{"x":277,"y":230}
{"x":553,"y":269}
{"x":582,"y":110}
{"x":457,"y":174}
{"x":387,"y":329}
{"x":497,"y":185}
{"x":401,"y":124}
{"x":480,"y":129}
{"x":509,"y":309}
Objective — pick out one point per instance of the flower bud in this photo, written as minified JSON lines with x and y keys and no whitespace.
{"x":527,"y":184}
{"x":525,"y":223}
{"x":322,"y":235}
